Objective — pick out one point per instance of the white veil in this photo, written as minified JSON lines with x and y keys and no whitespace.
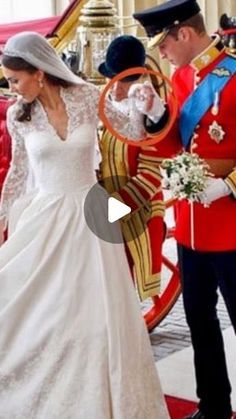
{"x":36,"y":50}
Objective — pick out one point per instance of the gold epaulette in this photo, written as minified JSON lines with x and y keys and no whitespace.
{"x":231,"y":52}
{"x":231,"y":182}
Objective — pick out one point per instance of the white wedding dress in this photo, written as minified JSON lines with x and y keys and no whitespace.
{"x":73,"y":344}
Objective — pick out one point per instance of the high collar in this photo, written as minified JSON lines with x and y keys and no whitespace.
{"x":209,"y":54}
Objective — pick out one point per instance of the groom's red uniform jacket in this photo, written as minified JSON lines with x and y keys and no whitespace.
{"x":213,"y":228}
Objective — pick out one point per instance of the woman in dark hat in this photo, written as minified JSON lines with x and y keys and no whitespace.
{"x":135,"y":172}
{"x":124,"y":52}
{"x":127,"y":52}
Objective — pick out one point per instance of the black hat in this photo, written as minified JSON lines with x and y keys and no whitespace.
{"x":158,"y":20}
{"x":124,"y":52}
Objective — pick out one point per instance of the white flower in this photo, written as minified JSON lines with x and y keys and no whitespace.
{"x":186,"y":175}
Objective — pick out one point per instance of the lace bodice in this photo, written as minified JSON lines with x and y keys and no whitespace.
{"x":57,"y":166}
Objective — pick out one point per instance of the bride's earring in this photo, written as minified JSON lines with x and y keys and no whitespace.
{"x":40,"y":84}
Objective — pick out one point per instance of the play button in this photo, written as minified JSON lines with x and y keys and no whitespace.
{"x":109,"y":218}
{"x":116,"y":210}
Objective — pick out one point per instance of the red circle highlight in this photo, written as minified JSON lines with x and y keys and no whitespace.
{"x":172,"y":102}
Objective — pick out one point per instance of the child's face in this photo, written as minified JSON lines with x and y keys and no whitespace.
{"x":120,"y":90}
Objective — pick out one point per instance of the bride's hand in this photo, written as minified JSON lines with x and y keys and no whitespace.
{"x":147,"y":101}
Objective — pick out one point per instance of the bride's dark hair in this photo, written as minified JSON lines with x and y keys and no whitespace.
{"x":17,"y":63}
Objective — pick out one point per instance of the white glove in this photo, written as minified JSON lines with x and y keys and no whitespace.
{"x":216,"y":188}
{"x":147,"y":101}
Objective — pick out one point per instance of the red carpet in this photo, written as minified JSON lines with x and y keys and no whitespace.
{"x":179,"y":408}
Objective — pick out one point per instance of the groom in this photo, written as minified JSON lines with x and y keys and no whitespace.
{"x":204,"y":82}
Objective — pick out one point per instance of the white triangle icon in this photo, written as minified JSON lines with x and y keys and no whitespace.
{"x":116,"y":210}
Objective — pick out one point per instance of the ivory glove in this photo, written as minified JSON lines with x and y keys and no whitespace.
{"x":147,"y":101}
{"x":216,"y":188}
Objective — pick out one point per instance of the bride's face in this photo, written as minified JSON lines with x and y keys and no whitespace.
{"x":23,"y":83}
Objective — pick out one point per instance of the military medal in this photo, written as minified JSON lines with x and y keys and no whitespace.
{"x":215,"y":107}
{"x":216,"y":132}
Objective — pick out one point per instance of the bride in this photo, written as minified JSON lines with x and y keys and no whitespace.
{"x":73,"y":344}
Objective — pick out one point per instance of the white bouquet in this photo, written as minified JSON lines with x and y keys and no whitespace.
{"x":186,"y":175}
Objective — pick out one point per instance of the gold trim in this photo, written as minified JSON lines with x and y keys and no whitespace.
{"x":157,"y":39}
{"x":154,"y":175}
{"x":231,"y":182}
{"x":146,"y":184}
{"x":151,"y":159}
{"x":158,"y":208}
{"x":208,"y":55}
{"x":148,"y":283}
{"x":134,"y":193}
{"x":67,"y":30}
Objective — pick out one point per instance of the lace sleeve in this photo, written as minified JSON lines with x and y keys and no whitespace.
{"x":16,"y":179}
{"x":129,"y":124}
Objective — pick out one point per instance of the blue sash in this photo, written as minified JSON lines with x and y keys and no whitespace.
{"x":202,"y":98}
